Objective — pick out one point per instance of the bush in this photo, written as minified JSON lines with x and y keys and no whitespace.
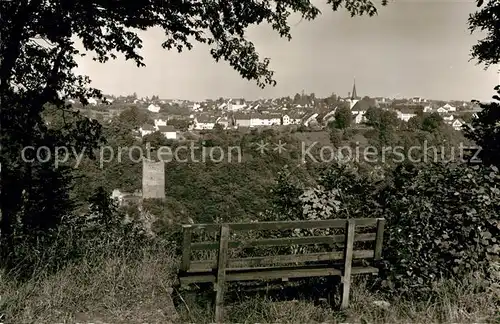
{"x":104,"y":229}
{"x":341,"y":191}
{"x":336,"y":137}
{"x":442,"y":222}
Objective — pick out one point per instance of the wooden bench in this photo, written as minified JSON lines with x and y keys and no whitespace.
{"x":221,"y":268}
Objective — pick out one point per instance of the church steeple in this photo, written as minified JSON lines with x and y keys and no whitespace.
{"x":354,"y":95}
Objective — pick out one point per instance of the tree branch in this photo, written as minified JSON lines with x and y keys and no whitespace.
{"x":12,"y":48}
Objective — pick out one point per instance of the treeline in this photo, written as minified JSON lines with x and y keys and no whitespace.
{"x":235,"y":189}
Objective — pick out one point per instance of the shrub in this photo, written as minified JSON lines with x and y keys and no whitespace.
{"x":341,"y":191}
{"x":442,"y":222}
{"x":336,"y":137}
{"x":102,"y":230}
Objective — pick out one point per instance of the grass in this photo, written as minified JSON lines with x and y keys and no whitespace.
{"x":126,"y":289}
{"x":111,"y":289}
{"x":457,"y":302}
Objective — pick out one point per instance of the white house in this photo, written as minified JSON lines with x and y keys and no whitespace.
{"x":285,"y":120}
{"x":147,"y":129}
{"x":242,"y":120}
{"x":291,"y":119}
{"x":457,"y":124}
{"x":310,"y":119}
{"x":236,"y":104}
{"x":154,"y":108}
{"x":450,"y":108}
{"x":359,"y":110}
{"x":405,"y":114}
{"x":168,"y":131}
{"x":447,"y":108}
{"x":417,"y":99}
{"x":160,"y":122}
{"x":256,"y":120}
{"x":265,"y":120}
{"x":359,"y":116}
{"x":204,"y":122}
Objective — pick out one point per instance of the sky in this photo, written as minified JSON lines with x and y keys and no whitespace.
{"x":411,"y":48}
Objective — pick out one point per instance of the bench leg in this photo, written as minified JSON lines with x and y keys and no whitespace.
{"x":221,"y":274}
{"x":348,"y":253}
{"x":219,"y":305}
{"x":346,"y":287}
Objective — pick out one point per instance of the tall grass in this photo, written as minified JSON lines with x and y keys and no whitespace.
{"x":104,"y":287}
{"x":133,"y":286}
{"x":461,"y":301}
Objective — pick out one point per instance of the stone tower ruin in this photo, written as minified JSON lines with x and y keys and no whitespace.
{"x":153,"y":179}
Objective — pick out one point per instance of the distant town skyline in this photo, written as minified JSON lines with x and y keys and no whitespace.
{"x":215,"y":98}
{"x":411,"y":49}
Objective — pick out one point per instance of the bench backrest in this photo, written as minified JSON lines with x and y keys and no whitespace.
{"x":346,"y":239}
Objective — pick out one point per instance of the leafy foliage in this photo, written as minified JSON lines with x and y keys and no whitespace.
{"x":341,"y":191}
{"x":432,"y":122}
{"x":343,"y":118}
{"x":133,"y":118}
{"x":156,"y":140}
{"x":102,"y":229}
{"x":384,"y":122}
{"x":180,"y":124}
{"x":486,"y":20}
{"x":428,"y":122}
{"x":442,"y":222}
{"x":485,"y":131}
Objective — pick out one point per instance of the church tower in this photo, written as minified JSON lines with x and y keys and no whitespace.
{"x":354,"y":96}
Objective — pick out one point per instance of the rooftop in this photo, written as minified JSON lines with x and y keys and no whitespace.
{"x":148,"y":127}
{"x":167,"y":128}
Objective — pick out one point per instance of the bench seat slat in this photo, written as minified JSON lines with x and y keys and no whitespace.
{"x":332,"y":239}
{"x":197,"y":266}
{"x":273,"y":273}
